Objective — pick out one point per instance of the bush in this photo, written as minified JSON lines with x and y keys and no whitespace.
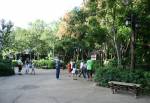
{"x":14,"y":63}
{"x":111,"y":63}
{"x":105,"y":74}
{"x":44,"y":64}
{"x":147,"y":78}
{"x":6,"y":69}
{"x":97,"y":64}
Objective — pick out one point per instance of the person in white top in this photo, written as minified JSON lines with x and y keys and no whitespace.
{"x":83,"y":69}
{"x":81,"y":66}
{"x":71,"y":62}
{"x":20,"y":64}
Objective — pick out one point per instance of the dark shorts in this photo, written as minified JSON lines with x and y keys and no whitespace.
{"x":20,"y":67}
{"x":89,"y":72}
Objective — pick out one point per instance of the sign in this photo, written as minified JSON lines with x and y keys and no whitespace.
{"x":93,"y":57}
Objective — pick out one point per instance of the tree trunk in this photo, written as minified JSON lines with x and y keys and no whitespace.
{"x":117,"y":52}
{"x":114,"y":38}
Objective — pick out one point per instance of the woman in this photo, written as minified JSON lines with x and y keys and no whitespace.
{"x":20,"y":64}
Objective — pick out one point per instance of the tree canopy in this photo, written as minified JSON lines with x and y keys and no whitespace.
{"x":97,"y":25}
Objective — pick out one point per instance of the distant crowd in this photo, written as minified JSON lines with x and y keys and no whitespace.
{"x":85,"y":68}
{"x":29,"y":67}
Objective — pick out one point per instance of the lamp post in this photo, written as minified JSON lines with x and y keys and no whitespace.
{"x":131,"y":20}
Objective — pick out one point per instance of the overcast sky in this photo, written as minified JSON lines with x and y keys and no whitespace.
{"x":21,"y":12}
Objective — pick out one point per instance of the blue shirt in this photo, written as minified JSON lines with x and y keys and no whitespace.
{"x":57,"y":64}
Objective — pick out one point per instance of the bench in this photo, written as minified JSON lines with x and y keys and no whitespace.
{"x":115,"y":86}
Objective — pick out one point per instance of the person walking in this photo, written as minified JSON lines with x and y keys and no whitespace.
{"x":57,"y":66}
{"x":89,"y":69}
{"x":27,"y":66}
{"x":81,"y":68}
{"x":69,"y":69}
{"x":71,"y":62}
{"x":31,"y":66}
{"x":84,"y":70}
{"x":20,"y":64}
{"x":74,"y":71}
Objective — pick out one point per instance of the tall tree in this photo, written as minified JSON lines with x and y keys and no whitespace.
{"x":5,"y":34}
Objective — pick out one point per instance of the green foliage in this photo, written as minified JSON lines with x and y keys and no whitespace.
{"x":6,"y":34}
{"x":14,"y":63}
{"x":105,"y":74}
{"x":98,"y":24}
{"x":147,"y":83}
{"x":96,"y":64}
{"x":44,"y":64}
{"x":112,"y":63}
{"x":6,"y":68}
{"x":39,"y":37}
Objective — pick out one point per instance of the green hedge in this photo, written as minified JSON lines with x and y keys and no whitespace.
{"x":105,"y":74}
{"x":6,"y":68}
{"x":44,"y":64}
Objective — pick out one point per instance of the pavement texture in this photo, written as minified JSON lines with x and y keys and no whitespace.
{"x":45,"y":88}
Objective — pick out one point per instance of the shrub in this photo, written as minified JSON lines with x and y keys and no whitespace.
{"x":110,"y":62}
{"x":97,"y":64}
{"x":6,"y":69}
{"x":105,"y":74}
{"x":147,"y":83}
{"x":14,"y":63}
{"x":44,"y":64}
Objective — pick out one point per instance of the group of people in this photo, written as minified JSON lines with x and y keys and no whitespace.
{"x":85,"y":69}
{"x":28,"y":66}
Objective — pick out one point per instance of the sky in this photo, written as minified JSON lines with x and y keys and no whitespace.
{"x":22,"y":12}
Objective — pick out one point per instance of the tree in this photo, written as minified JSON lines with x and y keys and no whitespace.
{"x":6,"y":35}
{"x":83,"y":27}
{"x":39,"y":37}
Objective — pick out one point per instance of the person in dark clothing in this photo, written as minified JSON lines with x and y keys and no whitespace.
{"x":57,"y":66}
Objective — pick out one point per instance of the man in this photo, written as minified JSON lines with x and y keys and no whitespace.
{"x":57,"y":66}
{"x":27,"y":66}
{"x":89,"y":69}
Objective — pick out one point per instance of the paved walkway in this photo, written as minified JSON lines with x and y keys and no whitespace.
{"x":44,"y":88}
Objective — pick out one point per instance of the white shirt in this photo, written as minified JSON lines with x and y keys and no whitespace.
{"x":81,"y":65}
